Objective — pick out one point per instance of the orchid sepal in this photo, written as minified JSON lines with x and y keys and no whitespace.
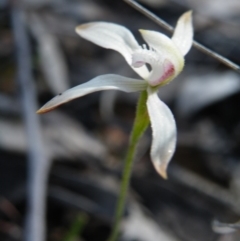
{"x":102,"y":82}
{"x":163,"y":132}
{"x":183,"y":33}
{"x":115,"y":37}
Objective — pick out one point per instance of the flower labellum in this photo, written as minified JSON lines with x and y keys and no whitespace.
{"x":165,"y":56}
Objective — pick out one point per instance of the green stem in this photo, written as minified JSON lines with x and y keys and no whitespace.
{"x":140,"y":125}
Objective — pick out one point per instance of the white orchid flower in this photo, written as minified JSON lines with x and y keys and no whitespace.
{"x":166,"y":58}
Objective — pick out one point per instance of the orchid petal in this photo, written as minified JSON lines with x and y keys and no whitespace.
{"x":183,"y":33}
{"x":164,"y":133}
{"x":113,"y":36}
{"x":166,"y":48}
{"x":102,"y":82}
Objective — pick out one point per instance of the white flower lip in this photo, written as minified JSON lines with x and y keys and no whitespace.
{"x":166,"y":57}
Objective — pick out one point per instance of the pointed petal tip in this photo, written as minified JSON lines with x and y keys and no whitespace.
{"x":50,"y":105}
{"x":44,"y":110}
{"x":187,"y":16}
{"x":189,"y":12}
{"x":162,"y":171}
{"x":161,"y":168}
{"x":76,"y":28}
{"x":39,"y":111}
{"x":80,"y":27}
{"x":141,"y":30}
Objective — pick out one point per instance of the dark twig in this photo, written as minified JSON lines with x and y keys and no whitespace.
{"x":38,"y":162}
{"x":168,"y":27}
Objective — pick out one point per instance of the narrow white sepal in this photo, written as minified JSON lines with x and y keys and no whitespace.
{"x":102,"y":82}
{"x":183,"y":33}
{"x":164,"y":133}
{"x":115,"y":37}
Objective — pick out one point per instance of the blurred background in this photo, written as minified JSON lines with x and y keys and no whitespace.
{"x":60,"y":172}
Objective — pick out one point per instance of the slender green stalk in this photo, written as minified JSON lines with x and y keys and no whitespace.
{"x":76,"y":228}
{"x":140,"y":125}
